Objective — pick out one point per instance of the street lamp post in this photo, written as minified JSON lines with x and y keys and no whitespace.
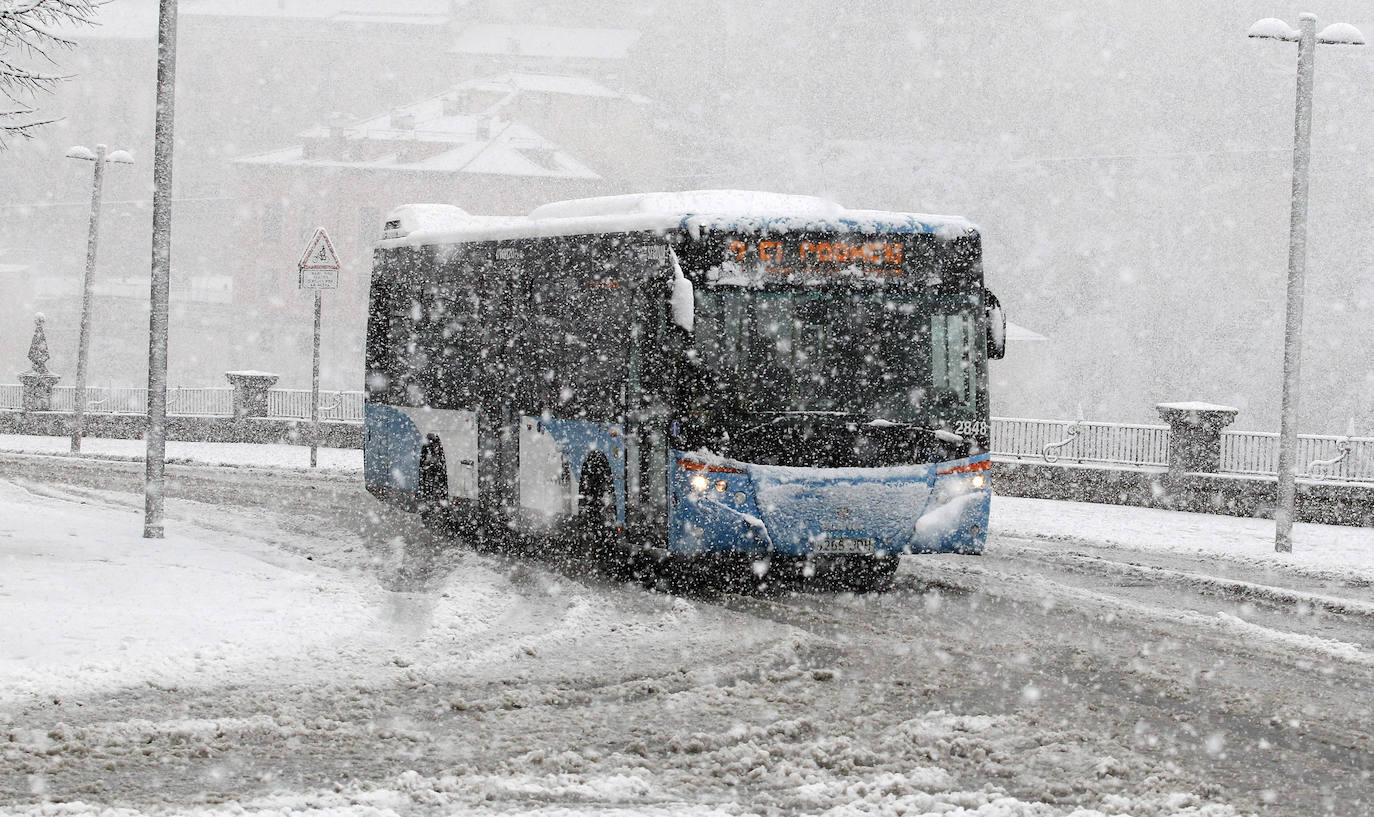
{"x":83,"y":347}
{"x":1307,"y":39}
{"x":154,"y":461}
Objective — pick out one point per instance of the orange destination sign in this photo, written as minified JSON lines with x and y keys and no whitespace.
{"x":812,"y":256}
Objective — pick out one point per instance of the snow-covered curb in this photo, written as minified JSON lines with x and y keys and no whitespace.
{"x":1328,"y":552}
{"x":267,"y":455}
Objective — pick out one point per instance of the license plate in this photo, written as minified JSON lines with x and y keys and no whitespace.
{"x":843,"y":544}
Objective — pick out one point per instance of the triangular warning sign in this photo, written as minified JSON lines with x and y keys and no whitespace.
{"x":319,"y":253}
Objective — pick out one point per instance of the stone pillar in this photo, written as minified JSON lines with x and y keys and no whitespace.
{"x":1195,"y":436}
{"x":250,"y":392}
{"x":36,"y":384}
{"x":37,"y":390}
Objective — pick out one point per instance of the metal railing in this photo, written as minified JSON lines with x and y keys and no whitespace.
{"x":207,"y":402}
{"x":187,"y":402}
{"x":1070,"y":441}
{"x":1242,"y":452}
{"x":334,"y":405}
{"x":1318,"y":456}
{"x":213,"y":401}
{"x":1080,"y":441}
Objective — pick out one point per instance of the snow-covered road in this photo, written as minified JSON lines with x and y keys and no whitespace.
{"x":289,"y":650}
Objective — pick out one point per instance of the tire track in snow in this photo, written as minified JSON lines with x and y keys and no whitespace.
{"x":1198,"y":582}
{"x":1292,"y":647}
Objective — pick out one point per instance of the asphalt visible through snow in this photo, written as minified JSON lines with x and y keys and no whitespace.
{"x":1045,"y":672}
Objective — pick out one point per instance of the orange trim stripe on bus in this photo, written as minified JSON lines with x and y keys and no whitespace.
{"x":689,"y":465}
{"x":985,"y":465}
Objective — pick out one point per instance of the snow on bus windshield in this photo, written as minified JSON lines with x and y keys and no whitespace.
{"x":885,"y":356}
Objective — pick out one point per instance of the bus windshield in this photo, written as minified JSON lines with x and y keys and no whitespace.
{"x":899,"y":357}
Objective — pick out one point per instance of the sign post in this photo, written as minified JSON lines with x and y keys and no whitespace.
{"x":319,"y":270}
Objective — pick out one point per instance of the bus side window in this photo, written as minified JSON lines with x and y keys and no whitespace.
{"x":588,"y":329}
{"x":650,"y":360}
{"x":545,"y":357}
{"x":648,"y":377}
{"x":391,"y":324}
{"x":381,"y":356}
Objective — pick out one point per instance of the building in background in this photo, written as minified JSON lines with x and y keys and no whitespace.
{"x":1151,"y":236}
{"x":483,"y":48}
{"x":293,"y":114}
{"x":346,"y":177}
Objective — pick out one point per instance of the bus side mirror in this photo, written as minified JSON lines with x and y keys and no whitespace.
{"x":997,"y":326}
{"x":682,"y":298}
{"x":680,"y":341}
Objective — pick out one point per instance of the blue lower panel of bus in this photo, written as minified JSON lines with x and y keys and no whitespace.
{"x":393,"y":438}
{"x":578,"y":440}
{"x":391,"y":452}
{"x":720,"y":505}
{"x":724,"y":506}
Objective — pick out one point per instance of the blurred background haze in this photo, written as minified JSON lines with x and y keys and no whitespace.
{"x":1129,"y":166}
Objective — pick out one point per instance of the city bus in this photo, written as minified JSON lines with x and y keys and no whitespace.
{"x":717,"y":385}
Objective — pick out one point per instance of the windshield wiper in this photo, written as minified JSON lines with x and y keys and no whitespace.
{"x":944,"y":435}
{"x":792,"y":416}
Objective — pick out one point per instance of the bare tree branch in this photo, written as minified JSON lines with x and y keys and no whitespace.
{"x":31,"y":31}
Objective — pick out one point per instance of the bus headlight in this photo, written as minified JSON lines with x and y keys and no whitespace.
{"x":978,"y":481}
{"x":700,"y":483}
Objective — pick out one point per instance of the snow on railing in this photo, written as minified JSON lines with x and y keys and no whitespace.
{"x":1080,"y":441}
{"x":213,"y":401}
{"x":186,"y":402}
{"x":334,"y":405}
{"x":1242,"y":452}
{"x":205,"y":402}
{"x":1319,"y":456}
{"x":1327,"y":457}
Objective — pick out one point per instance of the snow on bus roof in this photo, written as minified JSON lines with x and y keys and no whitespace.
{"x":693,"y":210}
{"x":717,"y":202}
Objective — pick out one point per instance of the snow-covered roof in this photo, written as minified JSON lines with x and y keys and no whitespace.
{"x":137,"y":19}
{"x":426,"y":136}
{"x":512,"y":85}
{"x":128,"y":20}
{"x":368,"y":10}
{"x":546,"y":41}
{"x":693,"y":210}
{"x":390,"y":18}
{"x":558,"y":84}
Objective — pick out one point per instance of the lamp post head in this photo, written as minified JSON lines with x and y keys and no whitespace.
{"x":1340,"y":34}
{"x":122,"y":157}
{"x":1272,"y":28}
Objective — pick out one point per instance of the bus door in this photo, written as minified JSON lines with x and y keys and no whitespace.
{"x":550,"y":379}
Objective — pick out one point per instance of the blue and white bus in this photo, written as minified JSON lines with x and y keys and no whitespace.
{"x":704,"y":383}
